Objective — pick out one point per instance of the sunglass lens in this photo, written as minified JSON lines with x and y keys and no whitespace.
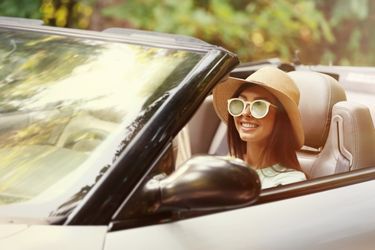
{"x":259,"y":109}
{"x":235,"y":107}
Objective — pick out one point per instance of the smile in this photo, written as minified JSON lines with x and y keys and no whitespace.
{"x":249,"y":125}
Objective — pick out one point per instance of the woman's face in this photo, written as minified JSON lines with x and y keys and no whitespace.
{"x":249,"y":128}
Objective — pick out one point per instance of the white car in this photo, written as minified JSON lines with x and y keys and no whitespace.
{"x":108,"y":140}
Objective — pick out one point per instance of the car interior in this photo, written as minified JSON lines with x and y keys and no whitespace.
{"x":339,"y":141}
{"x":339,"y":133}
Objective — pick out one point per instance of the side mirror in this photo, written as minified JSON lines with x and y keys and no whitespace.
{"x":204,"y":183}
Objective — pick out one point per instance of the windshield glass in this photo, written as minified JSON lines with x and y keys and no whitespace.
{"x":66,"y":103}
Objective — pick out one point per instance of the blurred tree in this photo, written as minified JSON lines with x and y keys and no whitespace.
{"x":323,"y":31}
{"x":252,"y":29}
{"x":67,"y":13}
{"x":62,"y":13}
{"x":351,"y":22}
{"x":20,"y":8}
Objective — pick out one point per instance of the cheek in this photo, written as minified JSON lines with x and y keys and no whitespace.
{"x":236,"y":122}
{"x":269,"y":122}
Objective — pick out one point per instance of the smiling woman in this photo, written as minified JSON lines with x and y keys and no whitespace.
{"x":264,"y":124}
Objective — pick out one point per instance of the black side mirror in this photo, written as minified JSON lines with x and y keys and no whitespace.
{"x":204,"y":183}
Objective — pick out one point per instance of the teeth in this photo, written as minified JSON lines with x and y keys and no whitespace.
{"x":249,"y":125}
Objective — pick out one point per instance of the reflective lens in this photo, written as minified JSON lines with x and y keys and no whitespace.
{"x":236,"y":107}
{"x":258,"y":108}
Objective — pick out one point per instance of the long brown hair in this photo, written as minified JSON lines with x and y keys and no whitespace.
{"x":282,"y":143}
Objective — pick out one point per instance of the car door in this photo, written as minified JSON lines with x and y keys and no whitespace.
{"x":340,"y":218}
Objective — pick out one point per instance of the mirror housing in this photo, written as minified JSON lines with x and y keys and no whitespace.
{"x":204,"y":183}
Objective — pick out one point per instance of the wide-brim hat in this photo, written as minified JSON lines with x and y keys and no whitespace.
{"x":272,"y":79}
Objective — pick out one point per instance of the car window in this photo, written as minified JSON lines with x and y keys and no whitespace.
{"x":68,"y":105}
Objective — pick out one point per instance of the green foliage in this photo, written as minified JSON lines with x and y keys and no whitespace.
{"x":64,"y":13}
{"x":323,"y":31}
{"x":351,"y":23}
{"x":20,"y":8}
{"x":252,"y":29}
{"x":348,"y":9}
{"x":67,"y":13}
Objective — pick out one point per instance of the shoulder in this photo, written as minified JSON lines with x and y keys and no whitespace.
{"x":278,"y":175}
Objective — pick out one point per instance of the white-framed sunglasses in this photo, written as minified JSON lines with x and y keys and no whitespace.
{"x":258,"y":108}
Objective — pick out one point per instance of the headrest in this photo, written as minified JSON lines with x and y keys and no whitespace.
{"x":318,"y":93}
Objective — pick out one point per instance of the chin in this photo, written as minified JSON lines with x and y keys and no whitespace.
{"x":247,"y":138}
{"x":252,"y":138}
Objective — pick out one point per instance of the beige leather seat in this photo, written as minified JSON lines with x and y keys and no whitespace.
{"x":339,"y":134}
{"x":202,"y":127}
{"x":351,"y":141}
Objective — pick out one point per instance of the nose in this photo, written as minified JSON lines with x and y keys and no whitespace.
{"x":246,"y":110}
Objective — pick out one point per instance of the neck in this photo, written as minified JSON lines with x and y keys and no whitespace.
{"x":256,"y":157}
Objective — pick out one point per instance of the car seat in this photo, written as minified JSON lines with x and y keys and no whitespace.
{"x":339,"y":134}
{"x":318,"y":94}
{"x":202,"y":127}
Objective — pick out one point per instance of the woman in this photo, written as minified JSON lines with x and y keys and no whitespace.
{"x":264,"y":123}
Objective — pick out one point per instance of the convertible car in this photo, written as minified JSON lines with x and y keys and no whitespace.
{"x":109,"y":140}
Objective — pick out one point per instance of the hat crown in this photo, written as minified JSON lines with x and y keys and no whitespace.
{"x":276,"y":79}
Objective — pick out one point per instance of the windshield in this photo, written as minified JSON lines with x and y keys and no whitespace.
{"x":67,"y":103}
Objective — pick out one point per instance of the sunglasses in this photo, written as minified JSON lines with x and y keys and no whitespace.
{"x":258,"y":108}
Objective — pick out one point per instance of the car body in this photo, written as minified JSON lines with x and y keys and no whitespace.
{"x":91,"y":130}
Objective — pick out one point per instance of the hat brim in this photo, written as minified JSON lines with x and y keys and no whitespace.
{"x":226,"y":89}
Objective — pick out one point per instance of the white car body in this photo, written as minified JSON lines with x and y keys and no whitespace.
{"x":341,"y":218}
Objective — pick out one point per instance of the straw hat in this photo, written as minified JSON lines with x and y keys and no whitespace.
{"x":272,"y":79}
